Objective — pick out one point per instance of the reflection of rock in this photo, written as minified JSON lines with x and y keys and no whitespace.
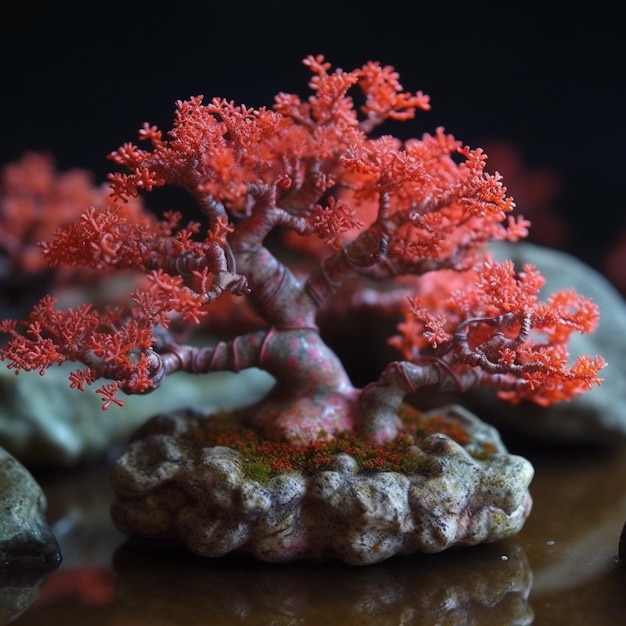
{"x":599,"y":415}
{"x":45,"y":423}
{"x":170,"y":487}
{"x":18,"y":590}
{"x":487,"y":585}
{"x":25,"y":537}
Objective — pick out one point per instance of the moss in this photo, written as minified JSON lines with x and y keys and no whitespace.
{"x":264,"y":459}
{"x":257,"y":470}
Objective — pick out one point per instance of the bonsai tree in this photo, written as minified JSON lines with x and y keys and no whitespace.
{"x":375,"y":209}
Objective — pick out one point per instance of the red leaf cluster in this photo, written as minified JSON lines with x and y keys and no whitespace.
{"x":36,"y":199}
{"x":492,"y":318}
{"x":375,"y":208}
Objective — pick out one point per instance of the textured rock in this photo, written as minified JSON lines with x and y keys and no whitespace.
{"x":45,"y":423}
{"x":170,"y":488}
{"x":599,"y":415}
{"x":25,"y":537}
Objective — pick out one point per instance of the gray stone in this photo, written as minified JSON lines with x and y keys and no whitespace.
{"x":25,"y":537}
{"x":45,"y":423}
{"x":172,"y":488}
{"x":598,"y":416}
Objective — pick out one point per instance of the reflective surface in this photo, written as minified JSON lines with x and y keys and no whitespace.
{"x":561,"y":569}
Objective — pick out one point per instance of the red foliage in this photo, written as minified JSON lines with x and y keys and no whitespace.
{"x":378,"y":208}
{"x":492,"y":318}
{"x":108,"y":342}
{"x":536,"y":192}
{"x":35,"y":200}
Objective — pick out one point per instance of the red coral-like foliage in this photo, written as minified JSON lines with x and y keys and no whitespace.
{"x":110,"y":344}
{"x":35,"y":200}
{"x":367,"y":207}
{"x":491,"y":318}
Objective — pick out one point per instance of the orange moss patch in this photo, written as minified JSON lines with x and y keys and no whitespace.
{"x":264,"y":459}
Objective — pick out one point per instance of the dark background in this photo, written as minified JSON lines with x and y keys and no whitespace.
{"x":78,"y":79}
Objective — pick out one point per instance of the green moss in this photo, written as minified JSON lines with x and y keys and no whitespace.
{"x":263,"y":459}
{"x":257,"y":470}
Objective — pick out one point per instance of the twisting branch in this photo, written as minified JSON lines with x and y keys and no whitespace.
{"x":363,"y":252}
{"x":488,"y":355}
{"x":380,"y":402}
{"x":240,"y":353}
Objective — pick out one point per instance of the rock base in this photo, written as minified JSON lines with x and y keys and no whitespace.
{"x":172,"y":487}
